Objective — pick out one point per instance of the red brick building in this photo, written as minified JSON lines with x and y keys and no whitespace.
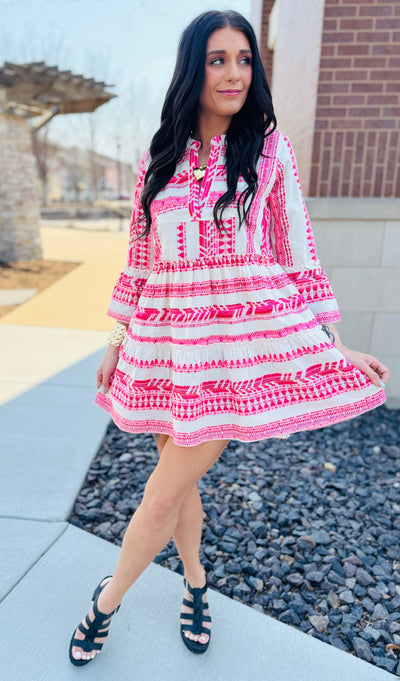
{"x":334,"y":71}
{"x":334,"y":67}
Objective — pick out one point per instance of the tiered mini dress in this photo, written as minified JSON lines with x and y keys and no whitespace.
{"x":224,"y":338}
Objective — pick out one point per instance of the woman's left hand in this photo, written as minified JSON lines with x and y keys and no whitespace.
{"x":368,"y":364}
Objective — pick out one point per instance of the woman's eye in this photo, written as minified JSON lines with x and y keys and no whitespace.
{"x":220,"y":60}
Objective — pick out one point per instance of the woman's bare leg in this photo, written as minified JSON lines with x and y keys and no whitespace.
{"x":187,"y":538}
{"x":188,"y":530}
{"x":155,"y":520}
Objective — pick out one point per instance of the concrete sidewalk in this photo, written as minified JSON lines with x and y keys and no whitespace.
{"x":49,"y":432}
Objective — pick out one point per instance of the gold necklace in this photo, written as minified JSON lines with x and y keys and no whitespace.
{"x":200,"y":171}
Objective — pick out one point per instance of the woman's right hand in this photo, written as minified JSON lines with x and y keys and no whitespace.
{"x":107,"y":367}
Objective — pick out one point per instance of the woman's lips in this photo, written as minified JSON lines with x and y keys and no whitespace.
{"x":230,"y":93}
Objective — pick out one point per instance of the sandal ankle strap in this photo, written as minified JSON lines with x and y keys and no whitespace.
{"x":98,"y":614}
{"x":194,"y":590}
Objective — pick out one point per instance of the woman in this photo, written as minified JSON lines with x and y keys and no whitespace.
{"x":224,"y":314}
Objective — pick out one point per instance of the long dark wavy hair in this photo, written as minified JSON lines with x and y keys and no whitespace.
{"x":247,"y":130}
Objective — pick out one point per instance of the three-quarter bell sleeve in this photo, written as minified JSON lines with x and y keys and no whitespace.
{"x":139,"y":261}
{"x":292,"y":238}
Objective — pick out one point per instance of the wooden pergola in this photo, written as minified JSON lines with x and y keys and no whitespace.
{"x":38,"y":90}
{"x":30,"y":96}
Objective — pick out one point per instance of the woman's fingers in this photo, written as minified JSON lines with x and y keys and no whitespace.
{"x":99,"y":376}
{"x":384,"y":373}
{"x":106,"y":374}
{"x":372,"y":375}
{"x":107,"y":367}
{"x":377,"y":372}
{"x":375,"y":378}
{"x":103,"y":377}
{"x":380,"y":369}
{"x":106,"y":379}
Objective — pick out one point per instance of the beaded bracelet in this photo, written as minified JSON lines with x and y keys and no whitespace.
{"x":117,"y":334}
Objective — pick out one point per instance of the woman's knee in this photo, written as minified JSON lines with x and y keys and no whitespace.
{"x":160,"y":504}
{"x":176,"y":473}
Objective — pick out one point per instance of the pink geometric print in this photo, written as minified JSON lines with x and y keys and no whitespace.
{"x":182,"y":240}
{"x":224,"y":337}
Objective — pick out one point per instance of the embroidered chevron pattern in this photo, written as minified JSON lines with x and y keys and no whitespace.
{"x":224,"y":337}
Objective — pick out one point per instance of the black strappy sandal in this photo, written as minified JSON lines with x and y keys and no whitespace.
{"x":197,"y":617}
{"x":94,"y":628}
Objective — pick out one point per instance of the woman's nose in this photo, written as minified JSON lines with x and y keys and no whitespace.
{"x":232,"y":71}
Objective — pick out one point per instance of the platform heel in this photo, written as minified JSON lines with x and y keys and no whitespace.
{"x":93,"y":630}
{"x":197,"y":617}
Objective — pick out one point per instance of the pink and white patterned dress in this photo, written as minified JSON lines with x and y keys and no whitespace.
{"x":224,"y":337}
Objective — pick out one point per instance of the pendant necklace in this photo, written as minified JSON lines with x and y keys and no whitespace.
{"x":199,"y":172}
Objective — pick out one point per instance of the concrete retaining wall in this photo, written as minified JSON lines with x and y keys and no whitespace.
{"x":358,"y":244}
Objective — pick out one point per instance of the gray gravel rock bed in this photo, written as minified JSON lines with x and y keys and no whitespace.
{"x":306,"y":530}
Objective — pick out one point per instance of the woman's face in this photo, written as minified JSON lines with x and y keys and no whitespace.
{"x":228,"y":73}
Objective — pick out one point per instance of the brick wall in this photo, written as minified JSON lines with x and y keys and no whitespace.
{"x":266,"y":54}
{"x":356,"y":149}
{"x":351,"y":152}
{"x":19,"y":193}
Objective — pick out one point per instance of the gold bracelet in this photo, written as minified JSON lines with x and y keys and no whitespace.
{"x":117,"y":334}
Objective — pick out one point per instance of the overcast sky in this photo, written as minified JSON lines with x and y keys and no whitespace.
{"x":130,"y":44}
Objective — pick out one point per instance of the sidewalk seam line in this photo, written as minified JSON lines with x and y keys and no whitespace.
{"x":3,"y":598}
